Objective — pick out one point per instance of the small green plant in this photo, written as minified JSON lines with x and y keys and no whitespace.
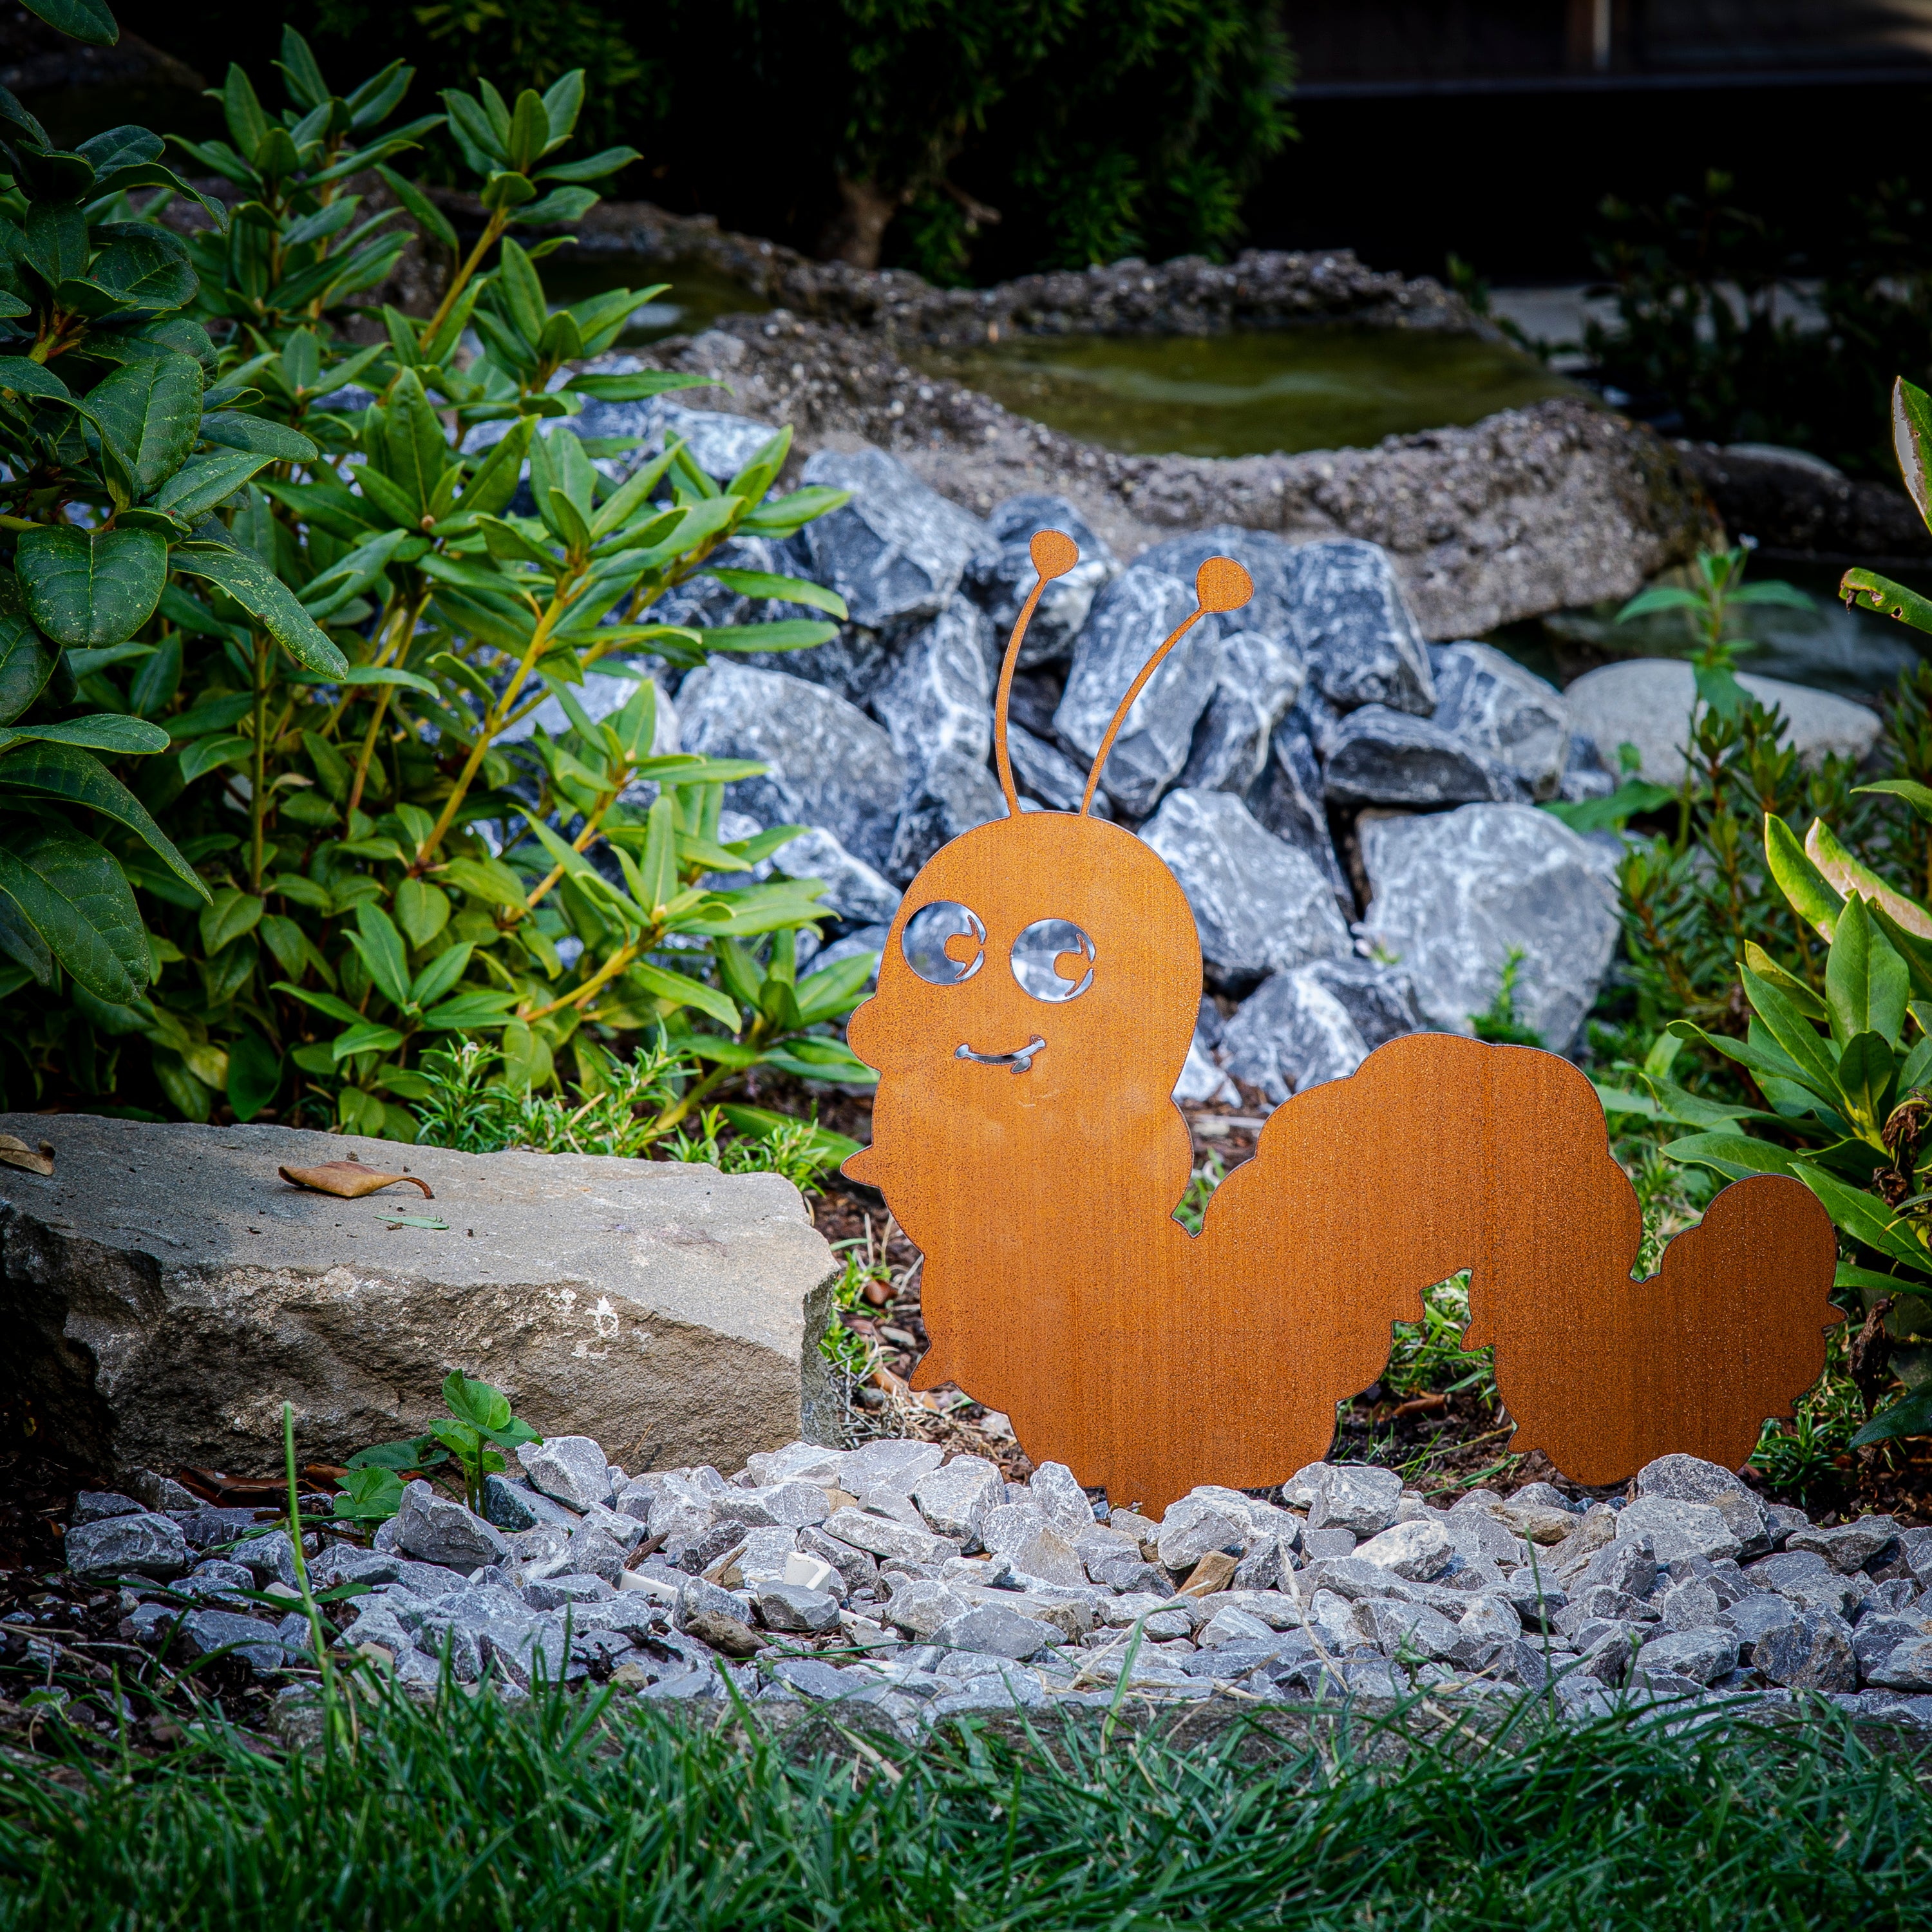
{"x":1500,"y":1025}
{"x":478,"y":1428}
{"x":848,"y":1352}
{"x":372,"y":1489}
{"x":1427,"y":1357}
{"x":1801,"y":1458}
{"x":1200,"y":1185}
{"x":800,"y":1151}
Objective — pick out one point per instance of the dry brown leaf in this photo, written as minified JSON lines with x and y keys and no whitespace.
{"x":16,"y":1153}
{"x":349,"y":1179}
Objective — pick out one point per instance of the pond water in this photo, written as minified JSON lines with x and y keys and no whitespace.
{"x":1321,"y":385}
{"x":698,"y":294}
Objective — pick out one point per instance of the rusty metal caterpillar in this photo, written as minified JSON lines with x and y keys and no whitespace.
{"x":1035,"y":1001}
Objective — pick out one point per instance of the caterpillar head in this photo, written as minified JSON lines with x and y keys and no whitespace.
{"x":1039,"y":985}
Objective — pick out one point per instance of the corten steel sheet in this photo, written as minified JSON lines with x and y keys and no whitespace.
{"x":1027,"y":1141}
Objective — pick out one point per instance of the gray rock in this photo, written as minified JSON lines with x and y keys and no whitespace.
{"x":719,"y":443}
{"x":1291,"y":801}
{"x":1043,"y":774}
{"x":1192,"y":1527}
{"x":1508,"y":714}
{"x":1686,"y":1479}
{"x":1585,"y":774}
{"x":1067,"y":1503}
{"x":1700,"y":1655}
{"x":1045,"y":1552}
{"x":1384,"y":757}
{"x":1417,"y":1550}
{"x":1130,"y":620}
{"x":1291,"y":1033}
{"x":1271,"y":566}
{"x":852,"y":888}
{"x":883,"y":1537}
{"x":1002,"y":582}
{"x":1756,"y":1615}
{"x":553,"y":1593}
{"x":889,"y":1463}
{"x":97,"y":1505}
{"x":269,"y":1558}
{"x":1355,"y":629}
{"x":1804,"y":1577}
{"x":571,"y":1469}
{"x":1262,"y":675}
{"x":1456,"y":893}
{"x":1812,"y":1652}
{"x":650,"y":1302}
{"x":204,"y":1632}
{"x":204,"y":1529}
{"x":1647,"y":702}
{"x":852,"y":665}
{"x":993,"y":1628}
{"x":951,"y":796}
{"x":1260,"y":906}
{"x":858,"y":1569}
{"x":1675,"y":1528}
{"x":789,"y":1607}
{"x":785,"y":1505}
{"x":868,"y":940}
{"x":1380,"y":1000}
{"x":938,"y":696}
{"x":1353,"y":1496}
{"x":1906,"y":1665}
{"x":594,"y":1552}
{"x":898,"y":550}
{"x":827,"y":763}
{"x":1201,"y":1080}
{"x":1397,"y":1629}
{"x":437,"y":1529}
{"x":512,"y":1504}
{"x":1691,"y":1606}
{"x":923,"y":1605}
{"x":1846,"y":1546}
{"x":141,"y":1545}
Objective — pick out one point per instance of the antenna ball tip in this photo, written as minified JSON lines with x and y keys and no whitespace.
{"x":1054,"y":553}
{"x":1222,"y":584}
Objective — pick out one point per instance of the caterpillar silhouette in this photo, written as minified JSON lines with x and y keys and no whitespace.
{"x":1035,"y":1001}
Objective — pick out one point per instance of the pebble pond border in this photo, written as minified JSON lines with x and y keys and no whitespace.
{"x":923,"y":1586}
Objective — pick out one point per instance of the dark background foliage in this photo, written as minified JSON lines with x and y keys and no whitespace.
{"x":972,"y":139}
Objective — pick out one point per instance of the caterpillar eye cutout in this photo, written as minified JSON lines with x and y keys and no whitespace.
{"x":1036,"y":999}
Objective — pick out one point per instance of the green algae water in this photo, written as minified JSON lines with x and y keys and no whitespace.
{"x":1320,"y":386}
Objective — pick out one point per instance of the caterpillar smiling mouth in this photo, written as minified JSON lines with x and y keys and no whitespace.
{"x":1020,"y":1062}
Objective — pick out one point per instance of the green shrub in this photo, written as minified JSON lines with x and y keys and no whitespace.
{"x":323,"y":603}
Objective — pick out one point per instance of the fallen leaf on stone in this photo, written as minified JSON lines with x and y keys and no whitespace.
{"x":16,"y":1153}
{"x":349,"y":1179}
{"x":415,"y":1221}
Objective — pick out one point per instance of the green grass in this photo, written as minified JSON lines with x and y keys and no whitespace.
{"x":565,"y":1814}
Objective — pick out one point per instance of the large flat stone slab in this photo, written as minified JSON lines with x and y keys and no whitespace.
{"x":164,"y":1292}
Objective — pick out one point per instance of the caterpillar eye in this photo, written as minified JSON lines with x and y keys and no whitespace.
{"x":1053,"y":960}
{"x":944,"y":943}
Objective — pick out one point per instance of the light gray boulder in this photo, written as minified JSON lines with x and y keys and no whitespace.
{"x":1846,"y":1546}
{"x":1812,"y":1652}
{"x":1201,"y":1080}
{"x":938,"y":696}
{"x":952,"y":795}
{"x":1354,"y":1496}
{"x":1262,"y":675}
{"x":1647,"y":702}
{"x":999,"y":1632}
{"x":790,"y":1606}
{"x":1418,"y":1550}
{"x":1505,"y":712}
{"x":957,"y":1499}
{"x":1687,"y":1479}
{"x":1290,"y":800}
{"x":853,"y":889}
{"x":1271,"y":565}
{"x":1455,"y":893}
{"x":1379,"y":756}
{"x":651,"y":1303}
{"x":1355,"y":629}
{"x":1067,"y":1503}
{"x":1698,"y":1654}
{"x":1379,"y":999}
{"x":140,"y":1544}
{"x":828,"y":764}
{"x":1291,"y":1033}
{"x":438,"y":1529}
{"x":1044,"y":775}
{"x":1002,"y":581}
{"x":852,"y":665}
{"x":1260,"y":906}
{"x":898,"y":550}
{"x":1130,"y":620}
{"x":1675,"y":1528}
{"x":720,"y":444}
{"x":571,"y":1469}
